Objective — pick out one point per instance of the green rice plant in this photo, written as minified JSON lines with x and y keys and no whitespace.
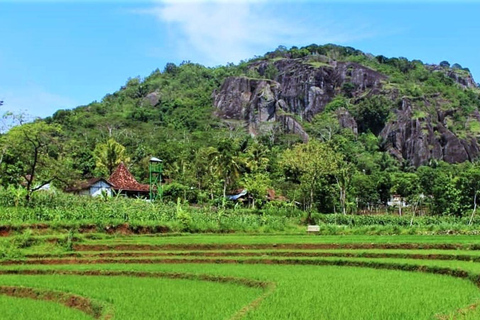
{"x":27,"y":309}
{"x":149,"y":298}
{"x":25,"y":239}
{"x":301,"y":292}
{"x":8,"y":250}
{"x":353,"y":283}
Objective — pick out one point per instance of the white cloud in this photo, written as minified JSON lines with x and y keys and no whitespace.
{"x":216,"y":32}
{"x":33,"y":100}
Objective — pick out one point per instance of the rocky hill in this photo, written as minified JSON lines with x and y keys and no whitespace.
{"x":421,"y":112}
{"x":375,"y":126}
{"x":415,"y":112}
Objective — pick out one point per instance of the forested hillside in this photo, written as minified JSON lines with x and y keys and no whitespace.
{"x":326,"y":128}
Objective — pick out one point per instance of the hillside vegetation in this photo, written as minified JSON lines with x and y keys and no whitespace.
{"x":321,"y":128}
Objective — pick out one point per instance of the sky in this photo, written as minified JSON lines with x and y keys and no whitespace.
{"x":63,"y":54}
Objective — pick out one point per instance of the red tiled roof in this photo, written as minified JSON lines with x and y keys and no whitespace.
{"x":271,"y":195}
{"x":122,"y":179}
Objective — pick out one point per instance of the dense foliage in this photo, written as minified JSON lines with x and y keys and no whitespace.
{"x":169,"y":114}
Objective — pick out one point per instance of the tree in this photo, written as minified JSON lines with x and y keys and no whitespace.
{"x":33,"y":150}
{"x":108,"y":156}
{"x":406,"y":185}
{"x":456,"y":66}
{"x":445,"y":64}
{"x":271,"y":72}
{"x":365,"y":190}
{"x":10,"y":120}
{"x":324,"y":126}
{"x":256,"y":157}
{"x":469,"y":185}
{"x":446,"y":196}
{"x":205,"y":172}
{"x":371,"y":113}
{"x":226,"y":162}
{"x":257,"y":180}
{"x":310,"y":162}
{"x":257,"y":185}
{"x":343,"y":175}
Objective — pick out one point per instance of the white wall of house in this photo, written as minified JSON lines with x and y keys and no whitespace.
{"x":85,"y":192}
{"x":397,"y":201}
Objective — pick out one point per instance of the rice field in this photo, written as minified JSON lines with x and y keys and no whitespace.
{"x":236,"y":276}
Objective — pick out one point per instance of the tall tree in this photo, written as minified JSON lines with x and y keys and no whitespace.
{"x":34,"y":150}
{"x":205,"y":172}
{"x":309,"y":162}
{"x":226,"y":162}
{"x":469,"y":185}
{"x":343,"y":175}
{"x":256,"y":180}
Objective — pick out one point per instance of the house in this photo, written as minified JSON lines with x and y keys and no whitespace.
{"x":397,"y":201}
{"x":120,"y":182}
{"x":92,"y":187}
{"x":124,"y":182}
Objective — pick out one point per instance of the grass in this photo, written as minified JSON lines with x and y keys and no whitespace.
{"x":268,"y":276}
{"x":302,"y":292}
{"x":146,"y":298}
{"x":248,"y":239}
{"x":27,"y":309}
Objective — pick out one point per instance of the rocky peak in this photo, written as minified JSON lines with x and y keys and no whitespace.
{"x":465,"y":79}
{"x":288,"y":91}
{"x":462,"y":77}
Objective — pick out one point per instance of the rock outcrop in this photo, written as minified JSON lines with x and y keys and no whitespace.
{"x":465,"y":80}
{"x":298,"y":89}
{"x":257,"y":104}
{"x":419,"y":139}
{"x":301,"y":90}
{"x":152,"y":99}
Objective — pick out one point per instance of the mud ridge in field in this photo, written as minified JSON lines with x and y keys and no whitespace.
{"x":416,"y":256}
{"x":271,"y":261}
{"x":170,"y":275}
{"x":72,"y":301}
{"x":147,"y":247}
{"x":46,"y":228}
{"x":67,"y":299}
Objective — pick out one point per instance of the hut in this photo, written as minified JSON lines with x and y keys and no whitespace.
{"x":92,"y":187}
{"x":124,"y":183}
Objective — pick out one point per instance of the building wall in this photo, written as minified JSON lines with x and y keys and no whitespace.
{"x":99,"y":187}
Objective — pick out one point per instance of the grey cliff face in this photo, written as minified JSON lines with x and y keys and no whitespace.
{"x":301,"y":88}
{"x":465,"y":81}
{"x":420,"y":139}
{"x":346,"y":120}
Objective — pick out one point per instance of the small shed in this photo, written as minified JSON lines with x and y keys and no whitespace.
{"x":92,"y":187}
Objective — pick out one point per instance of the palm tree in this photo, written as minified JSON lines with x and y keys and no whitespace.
{"x":109,"y":155}
{"x":226,"y":163}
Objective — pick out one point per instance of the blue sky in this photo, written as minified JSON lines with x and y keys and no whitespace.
{"x":62,"y":54}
